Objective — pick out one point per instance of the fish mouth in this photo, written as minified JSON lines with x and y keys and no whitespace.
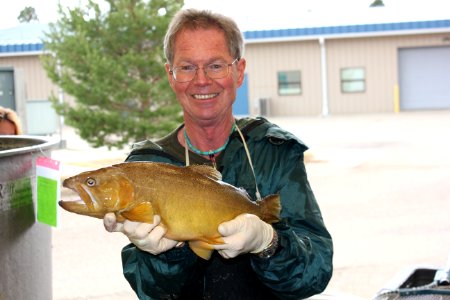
{"x":83,"y":204}
{"x":80,"y":207}
{"x":72,"y":205}
{"x":76,"y":206}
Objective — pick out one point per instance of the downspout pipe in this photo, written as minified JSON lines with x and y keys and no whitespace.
{"x":324,"y":76}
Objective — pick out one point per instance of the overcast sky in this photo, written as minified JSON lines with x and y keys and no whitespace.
{"x":265,"y":14}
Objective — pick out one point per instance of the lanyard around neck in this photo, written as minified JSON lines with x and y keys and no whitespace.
{"x":186,"y":151}
{"x":210,"y":152}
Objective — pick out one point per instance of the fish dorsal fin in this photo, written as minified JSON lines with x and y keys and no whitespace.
{"x":206,"y":171}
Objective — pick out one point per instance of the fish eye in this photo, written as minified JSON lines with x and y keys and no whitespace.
{"x":90,"y":181}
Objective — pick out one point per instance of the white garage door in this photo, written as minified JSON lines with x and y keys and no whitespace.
{"x":424,"y":78}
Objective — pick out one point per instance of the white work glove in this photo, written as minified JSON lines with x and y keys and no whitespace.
{"x":147,"y":237}
{"x":245,"y":233}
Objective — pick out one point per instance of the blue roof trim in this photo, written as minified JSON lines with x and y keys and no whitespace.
{"x":346,"y":29}
{"x":21,"y":48}
{"x":18,"y":47}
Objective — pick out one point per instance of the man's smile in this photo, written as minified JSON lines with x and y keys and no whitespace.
{"x":204,"y":96}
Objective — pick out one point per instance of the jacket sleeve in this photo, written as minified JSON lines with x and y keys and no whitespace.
{"x":302,"y":265}
{"x":157,"y":276}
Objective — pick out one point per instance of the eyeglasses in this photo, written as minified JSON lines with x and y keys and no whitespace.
{"x":214,"y":71}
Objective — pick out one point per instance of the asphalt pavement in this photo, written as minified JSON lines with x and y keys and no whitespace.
{"x":381,"y":180}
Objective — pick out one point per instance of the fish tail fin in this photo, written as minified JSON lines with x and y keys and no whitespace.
{"x":270,"y":208}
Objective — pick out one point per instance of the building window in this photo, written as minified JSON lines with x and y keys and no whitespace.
{"x":353,"y":80}
{"x":289,"y":83}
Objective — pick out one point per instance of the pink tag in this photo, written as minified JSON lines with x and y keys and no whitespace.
{"x":47,"y":163}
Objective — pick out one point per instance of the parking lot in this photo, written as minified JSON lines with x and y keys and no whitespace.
{"x":382,"y":181}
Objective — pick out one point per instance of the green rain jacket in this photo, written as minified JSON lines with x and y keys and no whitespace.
{"x":302,"y":265}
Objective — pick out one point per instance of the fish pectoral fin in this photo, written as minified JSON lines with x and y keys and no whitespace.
{"x":142,"y":212}
{"x":202,"y":249}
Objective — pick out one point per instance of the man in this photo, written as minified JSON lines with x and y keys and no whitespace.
{"x":291,"y":259}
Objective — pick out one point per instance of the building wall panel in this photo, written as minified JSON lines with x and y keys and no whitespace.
{"x":379,"y":56}
{"x":378,"y":60}
{"x":263,"y":63}
{"x":37,"y":85}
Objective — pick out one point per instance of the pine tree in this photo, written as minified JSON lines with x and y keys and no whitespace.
{"x":27,"y":15}
{"x":112,"y":63}
{"x":377,"y":3}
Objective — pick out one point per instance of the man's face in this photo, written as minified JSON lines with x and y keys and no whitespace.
{"x":203,"y":98}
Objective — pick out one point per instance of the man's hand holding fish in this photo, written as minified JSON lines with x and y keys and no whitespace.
{"x":245,"y":233}
{"x":147,"y":237}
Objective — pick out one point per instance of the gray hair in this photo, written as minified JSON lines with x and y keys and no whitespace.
{"x":194,"y":19}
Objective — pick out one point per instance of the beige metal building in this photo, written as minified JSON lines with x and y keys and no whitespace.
{"x":348,"y":69}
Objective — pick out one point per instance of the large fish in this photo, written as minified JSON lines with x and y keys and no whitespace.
{"x":192,"y":201}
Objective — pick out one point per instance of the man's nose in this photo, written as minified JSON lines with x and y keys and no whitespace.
{"x":201,"y":76}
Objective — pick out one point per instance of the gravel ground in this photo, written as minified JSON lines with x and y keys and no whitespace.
{"x":382,"y":181}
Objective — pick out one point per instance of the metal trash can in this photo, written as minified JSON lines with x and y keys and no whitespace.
{"x":25,"y":245}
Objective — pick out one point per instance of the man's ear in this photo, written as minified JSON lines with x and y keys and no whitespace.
{"x":241,"y":71}
{"x":169,"y":76}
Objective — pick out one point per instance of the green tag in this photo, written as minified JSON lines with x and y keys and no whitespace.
{"x":48,"y":190}
{"x":47,"y":200}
